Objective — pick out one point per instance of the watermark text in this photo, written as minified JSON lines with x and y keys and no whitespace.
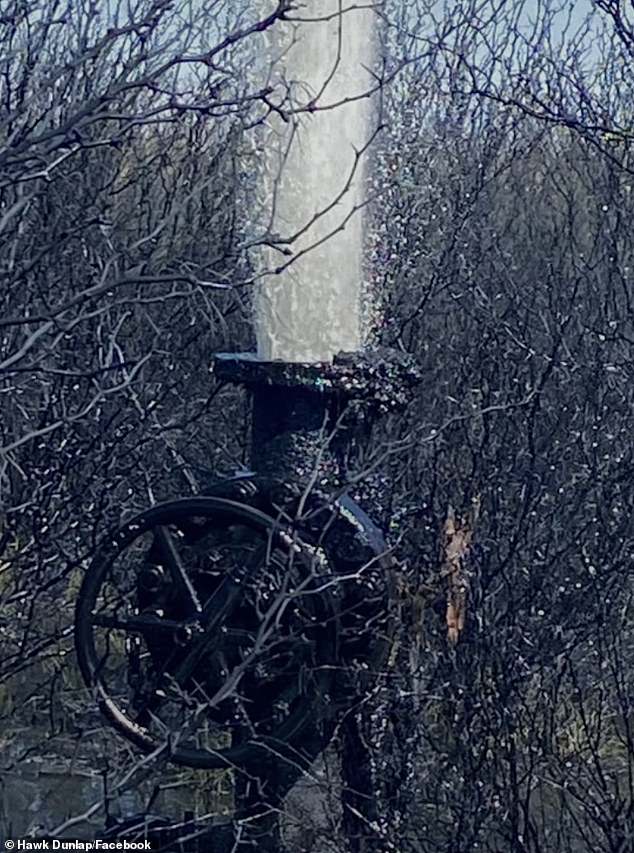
{"x":29,"y":844}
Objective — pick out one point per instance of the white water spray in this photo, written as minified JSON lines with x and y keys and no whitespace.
{"x":314,"y":182}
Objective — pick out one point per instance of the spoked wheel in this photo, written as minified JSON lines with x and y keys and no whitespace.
{"x":209,"y":631}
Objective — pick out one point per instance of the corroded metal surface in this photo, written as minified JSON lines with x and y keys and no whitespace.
{"x":307,"y":416}
{"x":383,"y":378}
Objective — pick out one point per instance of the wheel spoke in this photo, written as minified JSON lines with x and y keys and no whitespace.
{"x":221,"y":604}
{"x":217,"y":609}
{"x":177,"y":571}
{"x":135,"y":624}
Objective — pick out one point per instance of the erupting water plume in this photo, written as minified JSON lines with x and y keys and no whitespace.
{"x":315,"y":151}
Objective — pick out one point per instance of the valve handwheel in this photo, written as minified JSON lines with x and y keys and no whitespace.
{"x":208,"y":629}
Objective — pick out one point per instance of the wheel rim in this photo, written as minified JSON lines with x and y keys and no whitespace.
{"x":203,"y":620}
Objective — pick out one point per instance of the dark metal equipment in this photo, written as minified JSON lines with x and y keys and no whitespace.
{"x":230,"y":630}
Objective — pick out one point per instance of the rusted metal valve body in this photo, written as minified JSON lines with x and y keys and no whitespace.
{"x":307,"y":420}
{"x":306,"y":417}
{"x":227,"y":628}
